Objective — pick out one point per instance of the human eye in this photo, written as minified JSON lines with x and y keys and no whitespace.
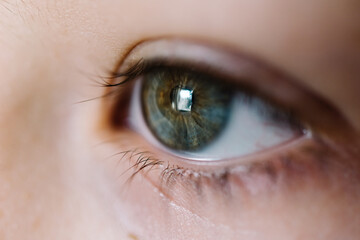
{"x":199,"y":116}
{"x":196,"y":115}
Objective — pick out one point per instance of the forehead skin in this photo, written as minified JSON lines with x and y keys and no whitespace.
{"x":318,"y":43}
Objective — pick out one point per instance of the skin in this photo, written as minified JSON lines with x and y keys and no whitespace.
{"x":58,"y":182}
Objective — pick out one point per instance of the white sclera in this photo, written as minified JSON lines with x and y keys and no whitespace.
{"x":247,"y":132}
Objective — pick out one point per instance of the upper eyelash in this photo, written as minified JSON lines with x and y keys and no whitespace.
{"x":139,"y":68}
{"x":143,"y":66}
{"x":134,"y":71}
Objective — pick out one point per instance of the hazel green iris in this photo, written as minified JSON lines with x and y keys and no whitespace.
{"x":185,"y":110}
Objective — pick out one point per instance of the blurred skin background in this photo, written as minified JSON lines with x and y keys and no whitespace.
{"x":63,"y":174}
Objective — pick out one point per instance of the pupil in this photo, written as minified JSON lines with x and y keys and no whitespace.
{"x":182,"y":99}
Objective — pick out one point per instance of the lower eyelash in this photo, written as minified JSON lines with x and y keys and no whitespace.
{"x":144,"y":161}
{"x":307,"y":165}
{"x":256,"y":175}
{"x":194,"y":181}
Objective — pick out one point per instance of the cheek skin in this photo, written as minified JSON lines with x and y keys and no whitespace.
{"x":50,"y":187}
{"x":303,"y":201}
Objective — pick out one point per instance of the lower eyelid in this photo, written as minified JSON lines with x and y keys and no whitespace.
{"x":293,"y":163}
{"x":308,"y":165}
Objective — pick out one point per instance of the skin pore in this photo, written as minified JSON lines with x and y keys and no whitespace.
{"x":60,"y":173}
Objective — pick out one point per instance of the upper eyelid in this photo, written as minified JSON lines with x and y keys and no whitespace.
{"x":268,"y":82}
{"x":205,"y":55}
{"x":227,"y":64}
{"x":143,"y":66}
